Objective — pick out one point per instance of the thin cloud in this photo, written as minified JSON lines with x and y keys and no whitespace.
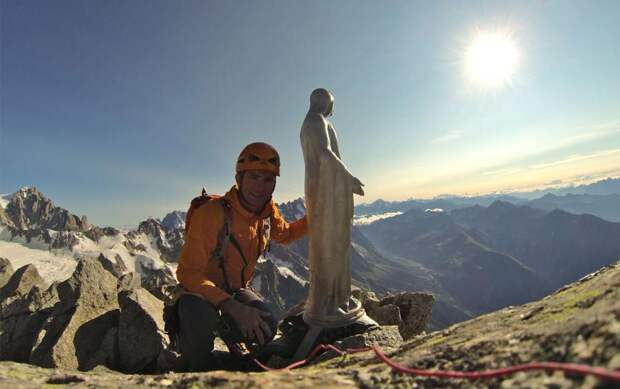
{"x":448,"y":137}
{"x":501,"y":172}
{"x":575,"y":158}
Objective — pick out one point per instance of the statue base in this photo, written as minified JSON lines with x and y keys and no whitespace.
{"x":354,"y":318}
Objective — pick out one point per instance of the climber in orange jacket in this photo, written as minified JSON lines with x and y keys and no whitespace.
{"x":223,"y":243}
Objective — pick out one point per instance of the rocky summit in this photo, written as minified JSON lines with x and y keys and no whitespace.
{"x":28,"y":209}
{"x":579,"y":323}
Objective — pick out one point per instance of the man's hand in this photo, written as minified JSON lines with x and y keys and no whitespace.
{"x":357,"y":186}
{"x":248,"y":320}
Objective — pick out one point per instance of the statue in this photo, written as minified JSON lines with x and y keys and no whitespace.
{"x":329,"y":189}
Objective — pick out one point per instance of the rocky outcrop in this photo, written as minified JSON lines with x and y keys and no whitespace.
{"x":96,"y":233}
{"x":415,"y":311}
{"x":6,"y":271}
{"x":99,"y":316}
{"x":411,"y":312}
{"x":21,"y":321}
{"x":387,"y":337}
{"x":140,"y":331}
{"x":578,"y":324}
{"x":21,"y":282}
{"x":116,"y":267}
{"x":129,"y":282}
{"x":54,"y":239}
{"x":29,"y":209}
{"x":88,"y":308}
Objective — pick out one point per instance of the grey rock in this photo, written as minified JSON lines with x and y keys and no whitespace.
{"x":117,"y":267}
{"x":6,"y":271}
{"x":95,"y":233}
{"x":415,"y":310}
{"x":129,"y":281}
{"x":367,"y":297}
{"x":386,"y":337}
{"x":388,"y":314}
{"x":141,"y":331}
{"x":74,"y":332}
{"x":22,"y":320}
{"x":29,"y":209}
{"x":21,"y":282}
{"x":108,"y":352}
{"x":170,"y":360}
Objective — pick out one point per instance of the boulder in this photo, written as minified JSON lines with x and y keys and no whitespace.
{"x":6,"y":271}
{"x":388,"y":314}
{"x":415,"y":310}
{"x":73,"y":334}
{"x":21,"y":321}
{"x":386,"y":337}
{"x":107,"y":354}
{"x":21,"y":282}
{"x":140,"y":330}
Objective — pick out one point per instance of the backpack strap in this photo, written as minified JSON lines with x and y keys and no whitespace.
{"x":223,"y":238}
{"x":226,"y":237}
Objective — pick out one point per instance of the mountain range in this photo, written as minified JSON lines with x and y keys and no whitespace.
{"x":474,"y":259}
{"x":601,"y":199}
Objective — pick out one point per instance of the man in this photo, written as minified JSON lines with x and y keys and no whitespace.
{"x":216,"y":274}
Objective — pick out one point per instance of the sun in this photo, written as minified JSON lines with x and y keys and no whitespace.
{"x":491,"y":59}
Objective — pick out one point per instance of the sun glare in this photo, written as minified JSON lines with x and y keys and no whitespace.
{"x":491,"y":59}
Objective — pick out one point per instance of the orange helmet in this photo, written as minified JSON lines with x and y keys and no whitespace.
{"x":259,"y":156}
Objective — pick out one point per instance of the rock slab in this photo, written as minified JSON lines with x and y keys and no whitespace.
{"x":140,"y":330}
{"x":88,"y":309}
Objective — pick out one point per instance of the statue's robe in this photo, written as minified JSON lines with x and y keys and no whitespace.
{"x":329,"y":209}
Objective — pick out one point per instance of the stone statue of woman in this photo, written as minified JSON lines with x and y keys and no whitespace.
{"x":329,"y":189}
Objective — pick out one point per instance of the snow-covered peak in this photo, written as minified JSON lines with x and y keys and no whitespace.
{"x":293,"y":210}
{"x":5,"y":199}
{"x":22,"y":192}
{"x":174,"y":220}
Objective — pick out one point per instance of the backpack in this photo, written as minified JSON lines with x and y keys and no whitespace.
{"x":196,"y":203}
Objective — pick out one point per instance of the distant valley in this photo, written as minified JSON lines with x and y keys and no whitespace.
{"x":474,"y":254}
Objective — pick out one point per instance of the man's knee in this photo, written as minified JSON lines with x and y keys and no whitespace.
{"x":193,"y":309}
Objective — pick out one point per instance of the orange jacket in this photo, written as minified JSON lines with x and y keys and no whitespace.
{"x":199,"y":273}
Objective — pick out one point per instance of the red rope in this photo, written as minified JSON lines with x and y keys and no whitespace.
{"x":571,"y":368}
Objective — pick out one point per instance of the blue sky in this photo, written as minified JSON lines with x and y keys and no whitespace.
{"x":124,"y":110}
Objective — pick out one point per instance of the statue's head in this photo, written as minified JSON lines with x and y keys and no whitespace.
{"x":321,"y":101}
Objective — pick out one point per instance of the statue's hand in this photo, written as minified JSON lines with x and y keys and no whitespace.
{"x":357,"y":186}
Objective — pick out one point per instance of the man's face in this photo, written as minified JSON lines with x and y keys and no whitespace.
{"x":257,"y":187}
